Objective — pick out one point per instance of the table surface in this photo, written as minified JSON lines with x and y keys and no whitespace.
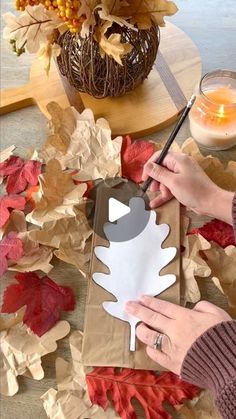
{"x":212,"y":26}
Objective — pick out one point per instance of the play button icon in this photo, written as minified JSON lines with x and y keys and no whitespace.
{"x":116,"y":210}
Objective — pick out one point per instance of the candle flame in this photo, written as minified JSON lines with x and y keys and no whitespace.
{"x":221,"y":111}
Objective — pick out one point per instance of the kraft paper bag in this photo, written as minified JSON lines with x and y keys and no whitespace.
{"x":106,"y":338}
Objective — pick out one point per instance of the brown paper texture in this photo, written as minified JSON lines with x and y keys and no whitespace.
{"x":106,"y":339}
{"x":71,"y":399}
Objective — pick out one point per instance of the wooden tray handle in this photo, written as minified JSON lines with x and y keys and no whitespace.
{"x":16,"y":98}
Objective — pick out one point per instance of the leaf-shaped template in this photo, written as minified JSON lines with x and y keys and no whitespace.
{"x":135,"y":264}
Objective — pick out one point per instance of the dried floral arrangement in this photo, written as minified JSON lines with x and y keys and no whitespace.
{"x":43,"y":219}
{"x":39,"y":23}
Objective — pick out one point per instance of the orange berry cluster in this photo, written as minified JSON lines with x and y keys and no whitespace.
{"x":67,"y":10}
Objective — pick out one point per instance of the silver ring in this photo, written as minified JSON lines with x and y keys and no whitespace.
{"x":158,"y":342}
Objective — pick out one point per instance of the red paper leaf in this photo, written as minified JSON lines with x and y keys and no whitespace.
{"x":134,"y":156}
{"x":149,"y":389}
{"x":11,"y":248}
{"x":10,"y":201}
{"x":20,"y":173}
{"x":43,"y":298}
{"x":217,"y":231}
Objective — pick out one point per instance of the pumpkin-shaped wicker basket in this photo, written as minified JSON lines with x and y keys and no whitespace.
{"x":81,"y":63}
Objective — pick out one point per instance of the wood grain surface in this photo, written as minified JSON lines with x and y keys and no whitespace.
{"x":212,"y":26}
{"x":153,"y":105}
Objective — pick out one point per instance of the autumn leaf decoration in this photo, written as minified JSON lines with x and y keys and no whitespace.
{"x":150,"y":389}
{"x":37,"y":27}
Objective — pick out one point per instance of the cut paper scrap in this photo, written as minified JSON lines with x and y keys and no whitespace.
{"x":35,"y":257}
{"x":217,"y":231}
{"x":225,"y":177}
{"x":44,"y":300}
{"x":8,"y":202}
{"x":91,"y":149}
{"x":192,"y":263}
{"x":71,"y":400}
{"x":11,"y":250}
{"x":20,"y":173}
{"x":222,"y":263}
{"x":133,"y":157}
{"x":148,"y":388}
{"x":60,"y":197}
{"x":135,"y":263}
{"x":70,"y":236}
{"x":22,"y":351}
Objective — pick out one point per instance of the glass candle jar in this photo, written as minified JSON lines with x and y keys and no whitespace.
{"x":213,"y":116}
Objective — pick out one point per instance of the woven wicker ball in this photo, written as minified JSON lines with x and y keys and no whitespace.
{"x":88,"y":72}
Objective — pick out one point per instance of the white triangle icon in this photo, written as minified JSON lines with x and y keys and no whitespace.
{"x":116,"y":210}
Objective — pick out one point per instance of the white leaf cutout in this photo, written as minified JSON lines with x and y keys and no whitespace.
{"x":134,"y":264}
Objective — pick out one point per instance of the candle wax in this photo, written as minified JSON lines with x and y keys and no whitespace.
{"x":213,"y":121}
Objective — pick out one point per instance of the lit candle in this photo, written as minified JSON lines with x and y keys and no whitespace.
{"x":213,"y":116}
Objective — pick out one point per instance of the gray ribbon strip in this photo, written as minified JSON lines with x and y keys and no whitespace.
{"x":170,"y":82}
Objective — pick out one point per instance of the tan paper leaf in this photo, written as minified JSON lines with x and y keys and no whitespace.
{"x":71,"y":400}
{"x":91,"y":150}
{"x":192,"y":263}
{"x":8,"y":320}
{"x":225,"y":177}
{"x":60,"y":197}
{"x":222,"y":263}
{"x":62,"y":124}
{"x":35,"y":257}
{"x":202,"y":407}
{"x":5,"y":154}
{"x":112,"y":45}
{"x":71,"y":236}
{"x":22,"y":351}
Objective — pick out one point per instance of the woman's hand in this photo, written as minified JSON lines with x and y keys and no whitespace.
{"x":180,"y":176}
{"x":180,"y":326}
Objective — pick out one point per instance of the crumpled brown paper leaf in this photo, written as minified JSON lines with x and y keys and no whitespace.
{"x":62,"y":124}
{"x":192,"y":263}
{"x":202,"y":407}
{"x":71,"y":400}
{"x":70,"y":236}
{"x":35,"y":257}
{"x":22,"y":351}
{"x":91,"y":149}
{"x":225,"y":177}
{"x":8,"y":320}
{"x":5,"y":154}
{"x":60,"y":197}
{"x":222,"y":263}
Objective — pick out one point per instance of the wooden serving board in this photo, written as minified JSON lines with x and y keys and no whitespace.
{"x":150,"y":107}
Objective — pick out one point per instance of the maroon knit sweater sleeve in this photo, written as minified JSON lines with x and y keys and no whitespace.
{"x":210,"y":363}
{"x":234,"y":215}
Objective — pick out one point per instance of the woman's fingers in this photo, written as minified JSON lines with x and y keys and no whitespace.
{"x":170,"y":310}
{"x":149,"y":336}
{"x":164,"y":196}
{"x":154,"y":187}
{"x":160,"y":357}
{"x":150,"y":317}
